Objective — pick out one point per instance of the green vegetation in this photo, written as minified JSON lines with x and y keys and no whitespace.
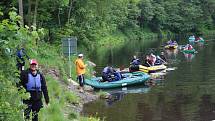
{"x":94,"y":23}
{"x":102,"y":22}
{"x":51,"y":62}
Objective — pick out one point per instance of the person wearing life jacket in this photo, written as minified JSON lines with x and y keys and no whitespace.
{"x":197,"y":39}
{"x":192,"y":38}
{"x":106,"y":73}
{"x":163,"y":57}
{"x":20,"y":58}
{"x":152,"y":59}
{"x":117,"y":76}
{"x":190,"y":47}
{"x":135,"y":61}
{"x":80,"y":70}
{"x":170,"y":42}
{"x":34,"y":83}
{"x":134,"y":64}
{"x":147,"y":61}
{"x":160,"y":59}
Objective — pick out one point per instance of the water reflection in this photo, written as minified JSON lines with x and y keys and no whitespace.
{"x":207,"y":108}
{"x":185,"y":94}
{"x":172,"y":53}
{"x":114,"y":97}
{"x":189,"y":57}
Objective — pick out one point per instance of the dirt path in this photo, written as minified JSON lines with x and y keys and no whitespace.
{"x":85,"y":97}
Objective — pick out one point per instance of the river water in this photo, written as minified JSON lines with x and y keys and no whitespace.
{"x":184,"y":94}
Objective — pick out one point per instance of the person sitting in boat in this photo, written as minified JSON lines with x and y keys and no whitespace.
{"x":185,"y":47}
{"x":192,"y":38}
{"x":135,"y":61}
{"x":106,"y":73}
{"x":117,"y":76}
{"x":197,"y":39}
{"x":147,"y":61}
{"x":189,"y":47}
{"x":152,"y":59}
{"x":201,"y":39}
{"x":175,"y":43}
{"x":170,"y":42}
{"x":160,"y":59}
{"x":162,"y":56}
{"x":134,"y":65}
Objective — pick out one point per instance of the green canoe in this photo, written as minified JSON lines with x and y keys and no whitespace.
{"x":189,"y":51}
{"x":129,"y":79}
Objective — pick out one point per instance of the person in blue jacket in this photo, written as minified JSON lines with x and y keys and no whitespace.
{"x":117,"y":76}
{"x":135,"y":61}
{"x":34,"y":83}
{"x":106,"y":73}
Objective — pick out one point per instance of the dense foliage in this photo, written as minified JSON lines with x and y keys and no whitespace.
{"x":93,"y":22}
{"x":97,"y":20}
{"x":13,"y":36}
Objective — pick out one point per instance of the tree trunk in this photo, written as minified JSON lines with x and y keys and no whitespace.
{"x":21,"y":12}
{"x":58,"y":15}
{"x":70,"y":9}
{"x":35,"y":13}
{"x":29,"y":13}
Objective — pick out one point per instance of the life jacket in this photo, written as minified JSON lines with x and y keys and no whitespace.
{"x":190,"y":47}
{"x":158,"y":61}
{"x":34,"y":83}
{"x":117,"y":76}
{"x":136,"y":62}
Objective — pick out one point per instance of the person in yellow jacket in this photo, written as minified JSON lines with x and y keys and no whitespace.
{"x":80,"y":70}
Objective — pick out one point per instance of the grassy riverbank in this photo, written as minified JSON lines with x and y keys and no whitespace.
{"x":55,"y":67}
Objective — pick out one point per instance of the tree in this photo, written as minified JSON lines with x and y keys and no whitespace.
{"x":21,"y":12}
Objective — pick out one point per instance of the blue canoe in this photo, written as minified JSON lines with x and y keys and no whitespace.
{"x":129,"y":79}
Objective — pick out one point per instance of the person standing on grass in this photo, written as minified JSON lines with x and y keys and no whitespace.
{"x":34,"y":83}
{"x":80,"y":70}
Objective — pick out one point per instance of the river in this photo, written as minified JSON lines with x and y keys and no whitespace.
{"x":184,"y":94}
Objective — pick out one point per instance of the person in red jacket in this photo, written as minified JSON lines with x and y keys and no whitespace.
{"x":34,"y":82}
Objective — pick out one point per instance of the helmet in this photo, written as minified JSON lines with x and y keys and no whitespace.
{"x":33,"y":61}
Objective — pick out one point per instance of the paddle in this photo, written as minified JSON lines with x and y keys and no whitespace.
{"x":91,"y":63}
{"x":162,"y":59}
{"x":148,"y":64}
